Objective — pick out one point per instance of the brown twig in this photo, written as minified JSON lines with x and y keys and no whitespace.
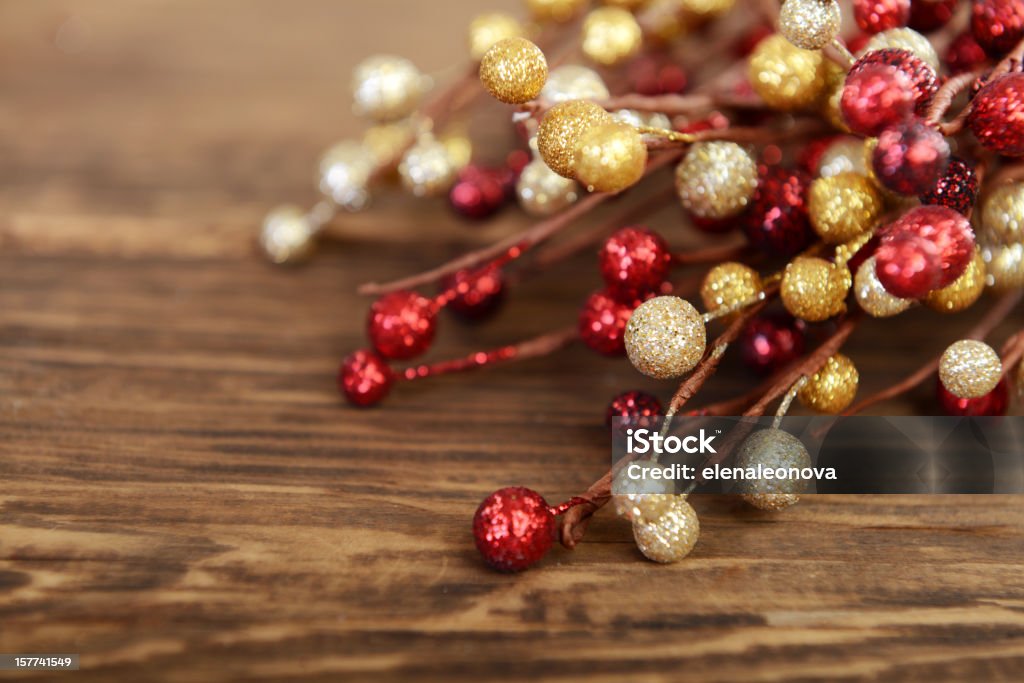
{"x":712,"y":255}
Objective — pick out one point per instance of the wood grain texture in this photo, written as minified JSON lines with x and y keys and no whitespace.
{"x":183,"y":496}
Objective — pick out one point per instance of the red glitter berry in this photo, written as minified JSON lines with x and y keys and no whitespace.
{"x":910,"y":159}
{"x":992,"y":404}
{"x":776,"y":221}
{"x":479,"y":192}
{"x":875,"y":16}
{"x":475,"y":294}
{"x":928,"y":15}
{"x":638,"y":407}
{"x":997,"y":115}
{"x":771,"y":342}
{"x":876,"y":97}
{"x":956,"y":189}
{"x":964,"y":54}
{"x":364,"y":378}
{"x":657,"y":75}
{"x":997,"y":25}
{"x":513,"y":528}
{"x":927,"y":248}
{"x":634,"y":262}
{"x":921,"y":75}
{"x":602,"y":323}
{"x":402,"y":324}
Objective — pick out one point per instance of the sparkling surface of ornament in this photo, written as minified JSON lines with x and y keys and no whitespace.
{"x":542,"y":192}
{"x":479,"y":192}
{"x":956,"y":189}
{"x":427,"y":169}
{"x":287,"y":236}
{"x":921,"y":75}
{"x":843,"y":207}
{"x":634,"y":262}
{"x":785,"y":76}
{"x":574,"y":82}
{"x":992,"y":404}
{"x":728,"y":285}
{"x":928,"y":15}
{"x":345,"y":171}
{"x":401,"y":324}
{"x":610,"y":157}
{"x":970,"y":368}
{"x":513,"y":70}
{"x":387,"y":88}
{"x":637,"y":406}
{"x":997,"y":25}
{"x":670,"y":537}
{"x":491,"y":28}
{"x":927,"y":248}
{"x":513,"y":528}
{"x":1004,"y":266}
{"x":706,"y":8}
{"x":876,"y":97}
{"x":716,"y":179}
{"x":997,"y":115}
{"x":665,"y":337}
{"x":964,"y":54}
{"x":771,"y":342}
{"x":832,"y":388}
{"x":772,"y":449}
{"x":641,"y":498}
{"x":814,"y":289}
{"x":845,"y":154}
{"x":904,"y":39}
{"x":771,"y":502}
{"x":602,"y":323}
{"x":476,"y":294}
{"x":555,"y":10}
{"x":964,"y":291}
{"x":910,"y":159}
{"x":364,"y":378}
{"x":776,"y":222}
{"x":810,"y":24}
{"x":385,"y":142}
{"x":1002,"y":214}
{"x":875,"y":16}
{"x":561,"y":129}
{"x":611,"y":35}
{"x":872,"y":296}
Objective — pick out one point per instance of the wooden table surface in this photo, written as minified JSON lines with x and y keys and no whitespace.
{"x":184,"y":497}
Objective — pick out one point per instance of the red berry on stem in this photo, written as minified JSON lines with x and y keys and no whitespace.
{"x":479,"y":192}
{"x":921,"y":75}
{"x":637,"y":406}
{"x":876,"y":97}
{"x":907,"y":265}
{"x":910,"y":159}
{"x":402,"y":324}
{"x":364,"y":378}
{"x":771,"y":342}
{"x":875,"y":16}
{"x":776,"y":221}
{"x":928,"y":15}
{"x":992,"y":404}
{"x":997,"y":25}
{"x":602,"y":323}
{"x":634,"y":262}
{"x":964,"y":54}
{"x":997,"y":115}
{"x":653,"y":75}
{"x":476,"y":293}
{"x":927,"y":248}
{"x":513,"y":528}
{"x":956,"y":189}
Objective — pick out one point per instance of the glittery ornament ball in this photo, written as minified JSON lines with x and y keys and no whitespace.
{"x":402,"y":324}
{"x":344,"y":174}
{"x":716,"y":179}
{"x":1004,"y":266}
{"x":970,"y":369}
{"x":611,"y":35}
{"x":287,"y":236}
{"x":602,"y":323}
{"x":776,"y":221}
{"x":771,"y":502}
{"x":770,"y":342}
{"x":904,"y":39}
{"x":964,"y":54}
{"x":921,"y":75}
{"x":387,"y":88}
{"x":364,"y":378}
{"x":992,"y":404}
{"x":574,"y":82}
{"x":634,"y":262}
{"x":479,"y":192}
{"x":876,"y":97}
{"x":957,"y":188}
{"x":846,"y":153}
{"x":513,"y":528}
{"x":542,"y":192}
{"x":488,"y":29}
{"x":561,"y":129}
{"x":610,"y":157}
{"x":785,"y":76}
{"x":997,"y":25}
{"x":639,"y":407}
{"x":476,"y":294}
{"x":1002,"y":214}
{"x":385,"y":142}
{"x":558,"y":11}
{"x":875,"y":16}
{"x":772,"y":449}
{"x":843,"y":207}
{"x":670,"y":537}
{"x":910,"y":159}
{"x":928,"y":15}
{"x":871,"y":295}
{"x":814,"y":289}
{"x":809,"y":24}
{"x":641,"y":498}
{"x":927,"y":248}
{"x":428,"y":169}
{"x":665,"y":337}
{"x":832,"y":388}
{"x":513,"y":70}
{"x":728,"y":285}
{"x":963,"y":292}
{"x":997,"y":115}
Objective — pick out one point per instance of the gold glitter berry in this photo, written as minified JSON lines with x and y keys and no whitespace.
{"x":832,"y":388}
{"x":772,"y":449}
{"x":843,"y":207}
{"x":1002,"y":215}
{"x":814,"y":289}
{"x":785,"y":76}
{"x":872,"y":296}
{"x":671,"y":536}
{"x":809,"y":24}
{"x":729,"y":284}
{"x":611,"y":35}
{"x":665,"y":337}
{"x":964,"y":291}
{"x":610,"y":157}
{"x":716,"y":179}
{"x":970,"y":368}
{"x":561,"y":129}
{"x":513,"y":70}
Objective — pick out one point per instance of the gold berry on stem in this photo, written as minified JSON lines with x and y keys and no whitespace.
{"x":970,"y":369}
{"x":872,"y":296}
{"x":832,"y":388}
{"x":843,"y":207}
{"x":287,"y":235}
{"x":665,"y":337}
{"x":611,"y":35}
{"x":428,"y":169}
{"x":513,"y":70}
{"x":554,"y":10}
{"x":671,"y":536}
{"x":542,"y":192}
{"x":772,"y":449}
{"x":729,"y":285}
{"x":785,"y":76}
{"x":1002,"y":215}
{"x":561,"y":129}
{"x":809,"y":24}
{"x":716,"y":179}
{"x":964,"y":291}
{"x":641,"y":497}
{"x":574,"y":82}
{"x":610,"y":157}
{"x":387,"y":88}
{"x":814,"y":289}
{"x":488,"y":29}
